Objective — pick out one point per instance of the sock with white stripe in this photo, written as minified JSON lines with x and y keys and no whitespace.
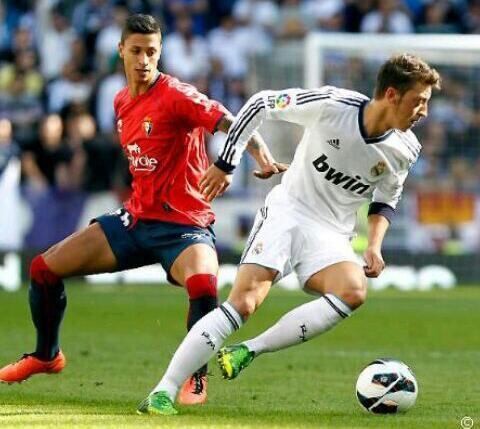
{"x":201,"y":343}
{"x":301,"y":324}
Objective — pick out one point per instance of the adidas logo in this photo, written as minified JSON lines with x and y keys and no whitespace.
{"x":334,"y":143}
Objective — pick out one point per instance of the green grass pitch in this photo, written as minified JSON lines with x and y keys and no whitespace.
{"x":118,"y":341}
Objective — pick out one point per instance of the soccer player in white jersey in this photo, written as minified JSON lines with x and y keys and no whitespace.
{"x":353,"y":150}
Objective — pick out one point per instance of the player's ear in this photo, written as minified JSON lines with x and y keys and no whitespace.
{"x":120,"y":50}
{"x":391,"y":95}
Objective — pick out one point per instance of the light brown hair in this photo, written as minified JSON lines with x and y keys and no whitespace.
{"x":402,"y":72}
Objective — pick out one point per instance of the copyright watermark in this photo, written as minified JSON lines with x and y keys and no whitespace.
{"x":466,"y":422}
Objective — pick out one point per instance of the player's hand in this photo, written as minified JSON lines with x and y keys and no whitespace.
{"x":269,"y":169}
{"x":214,"y":183}
{"x":374,"y":262}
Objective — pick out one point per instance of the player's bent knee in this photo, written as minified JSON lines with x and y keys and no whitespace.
{"x":355,"y":294}
{"x":245,"y":306}
{"x":355,"y":298}
{"x":41,"y":274}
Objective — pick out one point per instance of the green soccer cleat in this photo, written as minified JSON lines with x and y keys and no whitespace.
{"x":157,"y":403}
{"x":233,"y":359}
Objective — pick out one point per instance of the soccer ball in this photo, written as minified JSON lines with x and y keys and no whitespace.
{"x":386,"y":386}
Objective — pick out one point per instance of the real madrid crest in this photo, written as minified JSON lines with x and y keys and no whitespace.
{"x":258,"y":248}
{"x":378,"y":169}
{"x":147,"y":126}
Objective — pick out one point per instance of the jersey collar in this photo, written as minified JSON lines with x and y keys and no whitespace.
{"x":363,"y":131}
{"x":152,"y":84}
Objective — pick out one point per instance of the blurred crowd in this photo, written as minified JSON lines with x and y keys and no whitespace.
{"x":59,"y":72}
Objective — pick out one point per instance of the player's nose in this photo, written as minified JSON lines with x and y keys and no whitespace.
{"x":143,"y":60}
{"x":423,"y":113}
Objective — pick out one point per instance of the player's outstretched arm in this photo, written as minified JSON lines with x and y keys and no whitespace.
{"x":294,"y":105}
{"x":258,"y":149}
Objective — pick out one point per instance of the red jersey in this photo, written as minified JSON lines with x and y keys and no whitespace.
{"x":162,"y":135}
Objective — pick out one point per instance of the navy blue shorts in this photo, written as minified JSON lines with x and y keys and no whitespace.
{"x":147,"y":242}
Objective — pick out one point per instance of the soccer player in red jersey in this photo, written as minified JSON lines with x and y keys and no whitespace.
{"x":161,"y":124}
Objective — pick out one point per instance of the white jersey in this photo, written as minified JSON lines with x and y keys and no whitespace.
{"x":336,"y":168}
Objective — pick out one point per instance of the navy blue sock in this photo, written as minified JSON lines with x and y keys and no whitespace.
{"x":199,"y":307}
{"x":47,"y":304}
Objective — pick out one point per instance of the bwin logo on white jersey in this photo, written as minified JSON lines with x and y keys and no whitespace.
{"x":338,"y":178}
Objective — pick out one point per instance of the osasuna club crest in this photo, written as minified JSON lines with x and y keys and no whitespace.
{"x":147,"y":125}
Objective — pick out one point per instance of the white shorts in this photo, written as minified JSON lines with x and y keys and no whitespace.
{"x":285,"y":239}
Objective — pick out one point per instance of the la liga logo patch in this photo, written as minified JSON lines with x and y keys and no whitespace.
{"x":282,"y":101}
{"x":147,"y":125}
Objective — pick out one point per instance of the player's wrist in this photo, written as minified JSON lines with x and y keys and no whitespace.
{"x":224,"y":166}
{"x":374,"y":248}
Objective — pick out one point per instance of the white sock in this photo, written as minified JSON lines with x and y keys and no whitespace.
{"x":301,"y":324}
{"x":201,"y":343}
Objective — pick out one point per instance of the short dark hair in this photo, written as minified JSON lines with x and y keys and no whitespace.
{"x":402,"y":72}
{"x":140,"y":23}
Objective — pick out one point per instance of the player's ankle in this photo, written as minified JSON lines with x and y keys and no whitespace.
{"x":45,"y":356}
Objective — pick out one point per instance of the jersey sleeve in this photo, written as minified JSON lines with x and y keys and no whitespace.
{"x":294,"y":105}
{"x":387,"y":194}
{"x":194,"y":109}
